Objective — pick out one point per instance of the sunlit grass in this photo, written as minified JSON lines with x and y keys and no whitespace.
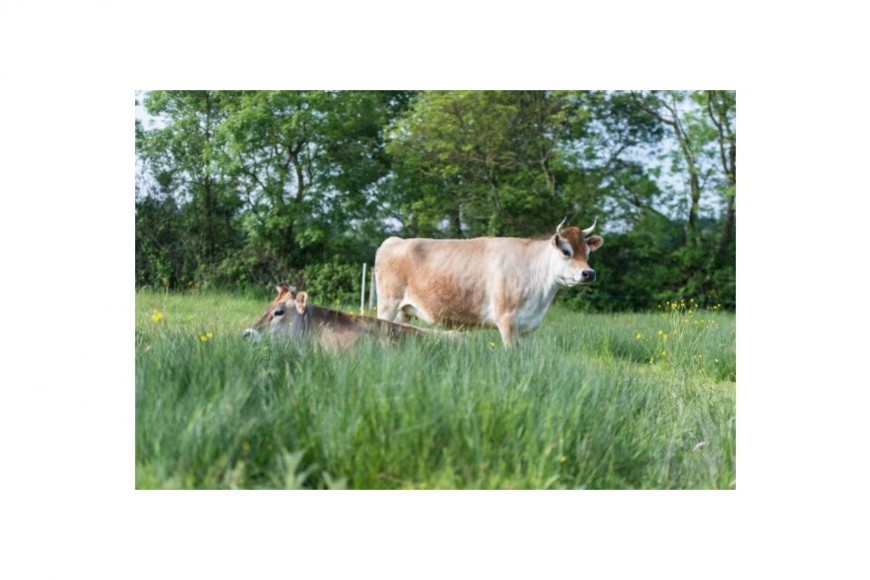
{"x":588,"y":402}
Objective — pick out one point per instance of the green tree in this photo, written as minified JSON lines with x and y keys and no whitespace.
{"x":722,"y":110}
{"x":269,"y":182}
{"x":235,"y":187}
{"x":483,"y":162}
{"x":515,"y":162}
{"x":184,"y":156}
{"x":164,"y":258}
{"x":308,"y":164}
{"x":702,"y":124}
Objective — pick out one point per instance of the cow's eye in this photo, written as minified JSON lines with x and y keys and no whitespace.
{"x":566,"y":253}
{"x":279,"y":313}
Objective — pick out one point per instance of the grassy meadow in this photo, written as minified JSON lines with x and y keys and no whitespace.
{"x":596,"y":401}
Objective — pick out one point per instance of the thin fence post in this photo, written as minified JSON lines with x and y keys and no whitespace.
{"x":372,"y":289}
{"x":362,"y":296}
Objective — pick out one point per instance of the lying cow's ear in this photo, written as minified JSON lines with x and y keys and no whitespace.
{"x":301,"y":302}
{"x":594,"y":242}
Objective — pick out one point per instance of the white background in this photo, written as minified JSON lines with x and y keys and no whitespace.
{"x":69,"y":505}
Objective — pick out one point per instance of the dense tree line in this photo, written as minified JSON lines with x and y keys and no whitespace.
{"x":240,"y":188}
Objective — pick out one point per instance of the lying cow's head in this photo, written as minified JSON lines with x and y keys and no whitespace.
{"x":284,"y":315}
{"x":571,"y":249}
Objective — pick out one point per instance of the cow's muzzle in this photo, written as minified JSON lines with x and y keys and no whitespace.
{"x":587,"y":276}
{"x":251,"y":334}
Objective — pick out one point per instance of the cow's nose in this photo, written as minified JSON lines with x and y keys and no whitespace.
{"x":587,"y":276}
{"x":248,"y":333}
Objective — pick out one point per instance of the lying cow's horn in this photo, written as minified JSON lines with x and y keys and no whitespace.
{"x":562,"y":223}
{"x":588,"y":230}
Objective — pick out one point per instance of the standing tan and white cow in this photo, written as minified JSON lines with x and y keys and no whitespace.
{"x":508,"y":283}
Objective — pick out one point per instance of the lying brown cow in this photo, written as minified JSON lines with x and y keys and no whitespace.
{"x":291,"y":316}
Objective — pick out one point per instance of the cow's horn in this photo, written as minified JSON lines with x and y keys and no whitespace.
{"x":588,"y":230}
{"x":562,"y":223}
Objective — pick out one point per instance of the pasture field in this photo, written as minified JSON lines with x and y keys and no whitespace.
{"x":596,"y":401}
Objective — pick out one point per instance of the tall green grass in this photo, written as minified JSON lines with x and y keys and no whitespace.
{"x":624,"y":401}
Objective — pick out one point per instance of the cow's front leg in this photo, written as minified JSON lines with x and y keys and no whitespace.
{"x":507,"y":328}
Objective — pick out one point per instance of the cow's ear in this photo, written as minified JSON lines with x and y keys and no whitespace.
{"x":301,"y":302}
{"x":594,"y":242}
{"x":556,"y":240}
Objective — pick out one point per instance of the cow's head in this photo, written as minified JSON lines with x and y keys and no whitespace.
{"x":280,"y":314}
{"x":292,"y":318}
{"x":571,"y":249}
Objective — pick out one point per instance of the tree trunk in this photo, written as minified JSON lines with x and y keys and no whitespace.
{"x":494,"y":227}
{"x":455,"y":222}
{"x":718,"y":106}
{"x":207,"y":186}
{"x":207,"y":210}
{"x":694,"y":182}
{"x":672,"y":120}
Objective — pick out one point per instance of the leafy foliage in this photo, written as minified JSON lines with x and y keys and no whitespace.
{"x":236,"y":188}
{"x":162,"y":257}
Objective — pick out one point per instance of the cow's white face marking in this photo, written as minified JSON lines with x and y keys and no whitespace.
{"x":567,"y":272}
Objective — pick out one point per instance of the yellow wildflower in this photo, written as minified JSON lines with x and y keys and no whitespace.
{"x":156,"y":315}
